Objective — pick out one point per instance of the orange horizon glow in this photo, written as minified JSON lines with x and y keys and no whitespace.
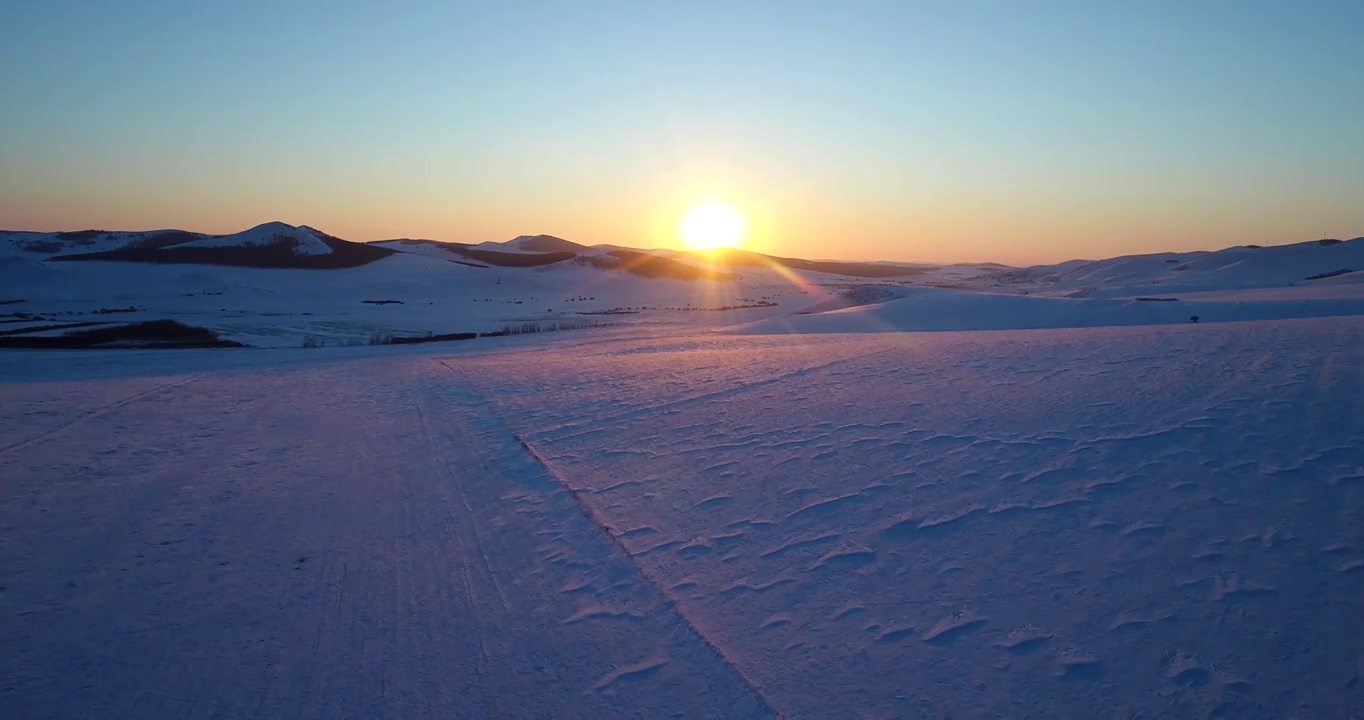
{"x":788,"y":224}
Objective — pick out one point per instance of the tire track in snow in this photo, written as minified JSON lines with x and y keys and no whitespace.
{"x":464,"y":522}
{"x":95,"y":414}
{"x":591,"y":515}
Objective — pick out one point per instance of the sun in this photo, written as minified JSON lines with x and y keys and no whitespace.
{"x":711,"y":224}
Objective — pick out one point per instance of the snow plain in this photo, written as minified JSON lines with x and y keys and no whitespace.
{"x":1056,"y":523}
{"x":691,"y":514}
{"x":425,"y":289}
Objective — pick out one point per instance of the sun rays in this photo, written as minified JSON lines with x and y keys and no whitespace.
{"x":711,"y":224}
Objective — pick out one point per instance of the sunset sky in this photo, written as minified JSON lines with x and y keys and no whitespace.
{"x":1018,"y":132}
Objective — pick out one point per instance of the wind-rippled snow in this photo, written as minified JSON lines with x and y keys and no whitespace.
{"x":1058,"y":523}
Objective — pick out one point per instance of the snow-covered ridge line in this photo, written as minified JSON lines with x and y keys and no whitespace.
{"x":874,"y":309}
{"x":1243,"y":266}
{"x":418,"y":287}
{"x":300,"y":240}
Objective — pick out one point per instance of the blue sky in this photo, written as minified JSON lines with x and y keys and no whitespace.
{"x":1006,"y":131}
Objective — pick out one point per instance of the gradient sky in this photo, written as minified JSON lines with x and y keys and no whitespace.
{"x":1010,"y":131}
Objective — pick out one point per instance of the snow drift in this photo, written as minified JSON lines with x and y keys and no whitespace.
{"x":928,"y":309}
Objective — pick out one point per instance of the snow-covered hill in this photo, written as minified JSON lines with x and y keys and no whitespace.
{"x":261,"y":287}
{"x":273,"y":244}
{"x":44,"y":245}
{"x":1232,"y":268}
{"x":538,"y":250}
{"x":534,"y":244}
{"x":301,"y":240}
{"x":933,"y":309}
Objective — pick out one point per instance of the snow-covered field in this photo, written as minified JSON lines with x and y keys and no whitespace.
{"x":424,"y":288}
{"x":775,"y":495}
{"x":1112,"y":522}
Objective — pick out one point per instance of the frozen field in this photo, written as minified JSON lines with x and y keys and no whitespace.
{"x":420,"y":290}
{"x":1099,"y":522}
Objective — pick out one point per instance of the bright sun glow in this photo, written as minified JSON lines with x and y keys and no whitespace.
{"x":709,"y":225}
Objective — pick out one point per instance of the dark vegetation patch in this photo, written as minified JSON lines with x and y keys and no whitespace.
{"x":723,"y":308}
{"x":421,"y":241}
{"x":382,"y":302}
{"x":159,"y":330}
{"x":343,"y":255}
{"x":548,"y":250}
{"x":313,"y":341}
{"x":532,"y":327}
{"x":506,"y":259}
{"x":444,"y":337}
{"x":525,"y":328}
{"x":166,"y":239}
{"x":859,"y":296}
{"x":153,"y":334}
{"x":80,"y":236}
{"x":42,"y":246}
{"x":450,"y":247}
{"x":487,"y":258}
{"x":651,"y":266}
{"x":550,"y":244}
{"x":853,"y":269}
{"x":540,"y":250}
{"x":115,"y":311}
{"x":1333,"y":273}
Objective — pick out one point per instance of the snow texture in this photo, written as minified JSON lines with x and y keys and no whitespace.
{"x":1139,"y":521}
{"x":743,"y":499}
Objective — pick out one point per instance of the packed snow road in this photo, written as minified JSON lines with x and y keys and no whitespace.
{"x":364,"y":540}
{"x":1066,"y":523}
